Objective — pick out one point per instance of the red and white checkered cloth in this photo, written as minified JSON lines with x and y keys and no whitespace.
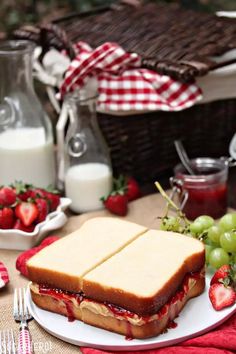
{"x":4,"y":278}
{"x":123,"y":85}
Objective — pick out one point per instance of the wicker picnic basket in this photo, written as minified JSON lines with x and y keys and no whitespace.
{"x":142,"y":144}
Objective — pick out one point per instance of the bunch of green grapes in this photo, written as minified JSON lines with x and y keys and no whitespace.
{"x":219,"y":237}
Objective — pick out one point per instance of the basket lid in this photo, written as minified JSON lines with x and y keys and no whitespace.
{"x":183,"y":49}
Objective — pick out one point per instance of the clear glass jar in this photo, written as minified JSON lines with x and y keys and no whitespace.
{"x":205,"y":192}
{"x":26,"y":139}
{"x":88,"y":175}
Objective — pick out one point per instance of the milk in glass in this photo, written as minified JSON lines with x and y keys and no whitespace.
{"x":85,"y":184}
{"x":26,"y":137}
{"x":26,"y":155}
{"x":88,"y":173}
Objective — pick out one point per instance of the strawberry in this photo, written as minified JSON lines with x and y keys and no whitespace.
{"x":37,"y":193}
{"x":24,"y":196}
{"x":22,"y":190}
{"x":221,"y":296}
{"x":6,"y":218}
{"x":53,"y":199}
{"x":128,"y":186}
{"x":42,"y":207}
{"x":132,"y":189}
{"x":7,"y":196}
{"x":117,"y":204}
{"x":27,"y":212}
{"x":20,"y":226}
{"x":221,"y":274}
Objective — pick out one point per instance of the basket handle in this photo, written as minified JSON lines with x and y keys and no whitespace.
{"x":47,"y":36}
{"x":51,"y":33}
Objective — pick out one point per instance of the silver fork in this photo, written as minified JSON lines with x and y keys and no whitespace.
{"x":22,"y":315}
{"x":7,"y":342}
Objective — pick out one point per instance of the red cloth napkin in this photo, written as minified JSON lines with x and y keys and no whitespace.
{"x":26,"y":255}
{"x":4,"y":277}
{"x":123,"y":85}
{"x":221,"y":340}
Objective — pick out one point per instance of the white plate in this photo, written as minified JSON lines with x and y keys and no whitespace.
{"x":21,"y":240}
{"x":197,"y":317}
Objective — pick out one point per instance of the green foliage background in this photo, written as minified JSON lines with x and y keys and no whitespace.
{"x":13,"y":13}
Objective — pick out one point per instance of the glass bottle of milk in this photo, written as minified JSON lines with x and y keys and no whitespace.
{"x":88,"y":175}
{"x":26,"y":139}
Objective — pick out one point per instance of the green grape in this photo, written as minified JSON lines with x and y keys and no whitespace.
{"x":201,"y":224}
{"x":170,"y":223}
{"x":206,"y":221}
{"x":228,"y":222}
{"x":228,"y":241}
{"x":208,"y":249}
{"x":213,"y":233}
{"x":195,"y":228}
{"x":218,"y":257}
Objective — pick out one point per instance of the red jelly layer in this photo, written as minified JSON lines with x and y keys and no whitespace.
{"x":67,"y":296}
{"x":60,"y":294}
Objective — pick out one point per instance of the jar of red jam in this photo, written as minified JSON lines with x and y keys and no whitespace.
{"x":205,"y":192}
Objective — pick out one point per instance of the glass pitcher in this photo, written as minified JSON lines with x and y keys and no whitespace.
{"x":26,"y":139}
{"x":88,"y":175}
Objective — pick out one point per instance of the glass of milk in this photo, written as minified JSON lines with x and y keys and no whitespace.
{"x":26,"y":139}
{"x":88,"y":175}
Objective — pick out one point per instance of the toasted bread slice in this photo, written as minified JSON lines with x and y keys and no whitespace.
{"x":65,"y":262}
{"x":146,"y":273}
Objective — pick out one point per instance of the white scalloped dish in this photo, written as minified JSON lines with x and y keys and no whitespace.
{"x":21,"y":240}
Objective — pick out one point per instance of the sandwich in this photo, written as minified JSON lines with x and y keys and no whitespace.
{"x":119,"y":276}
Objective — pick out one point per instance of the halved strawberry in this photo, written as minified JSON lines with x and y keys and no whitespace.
{"x":221,"y":296}
{"x":7,"y":196}
{"x":221,"y":274}
{"x":27,"y":212}
{"x":20,"y":226}
{"x":6,"y":218}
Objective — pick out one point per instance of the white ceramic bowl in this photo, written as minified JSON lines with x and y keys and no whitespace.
{"x":21,"y":240}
